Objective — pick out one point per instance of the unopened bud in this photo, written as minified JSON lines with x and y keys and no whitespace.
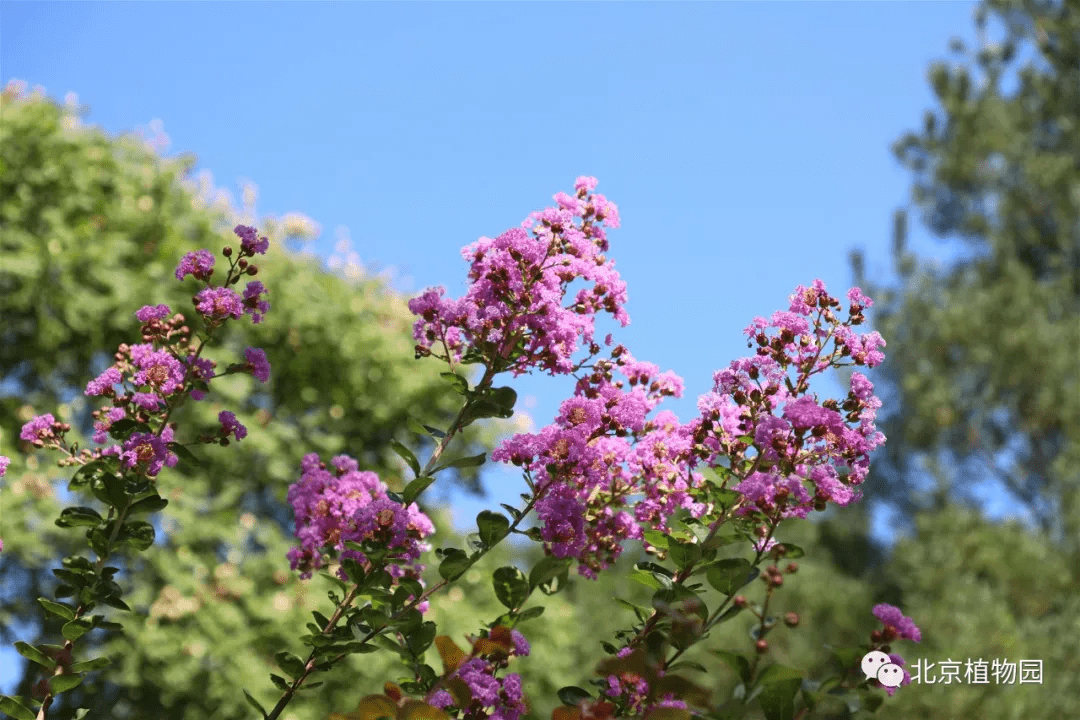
{"x":740,"y":601}
{"x":791,"y":619}
{"x":761,"y":646}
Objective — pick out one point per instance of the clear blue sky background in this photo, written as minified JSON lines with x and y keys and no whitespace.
{"x":746,"y":144}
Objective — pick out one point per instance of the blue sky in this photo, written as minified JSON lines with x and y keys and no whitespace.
{"x":746,"y":144}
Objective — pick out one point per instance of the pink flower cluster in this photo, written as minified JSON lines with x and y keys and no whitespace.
{"x":633,"y":690}
{"x":332,"y":507}
{"x":154,"y":375}
{"x":513,"y":311}
{"x":4,"y":462}
{"x":490,"y":696}
{"x":602,"y":457}
{"x":588,"y":468}
{"x":897,"y":625}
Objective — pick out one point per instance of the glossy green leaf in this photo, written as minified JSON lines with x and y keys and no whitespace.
{"x":58,"y":609}
{"x":291,"y":664}
{"x":32,"y":654}
{"x":546,"y":570}
{"x":511,"y":586}
{"x":254,"y":703}
{"x":454,"y":564}
{"x":76,"y":628}
{"x":407,"y":455}
{"x":730,"y":574}
{"x":62,"y":683}
{"x":571,"y":695}
{"x":76,"y":516}
{"x":415,"y":487}
{"x":15,"y":709}
{"x":493,"y":527}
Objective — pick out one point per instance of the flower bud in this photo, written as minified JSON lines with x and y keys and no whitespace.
{"x":761,"y":646}
{"x":791,"y":619}
{"x":740,"y":601}
{"x":791,"y":568}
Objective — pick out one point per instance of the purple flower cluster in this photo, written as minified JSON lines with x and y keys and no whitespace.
{"x":514,"y":305}
{"x":4,"y":462}
{"x":145,"y":452}
{"x":488,"y":696}
{"x":588,"y":468}
{"x":345,"y":503}
{"x":897,"y":625}
{"x":605,"y":471}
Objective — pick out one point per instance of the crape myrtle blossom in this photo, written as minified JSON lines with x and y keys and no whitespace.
{"x":897,"y":626}
{"x":586,"y":469}
{"x":145,"y":453}
{"x":341,"y":503}
{"x":477,"y":691}
{"x":148,"y":379}
{"x":518,"y":285}
{"x":603,"y":471}
{"x":4,"y":462}
{"x":632,"y":690}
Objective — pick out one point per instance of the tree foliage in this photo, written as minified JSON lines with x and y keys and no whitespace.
{"x":984,"y":354}
{"x":91,"y":229}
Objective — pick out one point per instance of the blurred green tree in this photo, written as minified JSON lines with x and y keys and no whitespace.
{"x":91,"y":229}
{"x":982,"y":377}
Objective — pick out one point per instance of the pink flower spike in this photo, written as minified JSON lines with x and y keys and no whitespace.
{"x":231,"y":426}
{"x":257,"y":363}
{"x":199,"y":263}
{"x":152,"y":312}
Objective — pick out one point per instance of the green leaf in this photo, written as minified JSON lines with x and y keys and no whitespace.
{"x":493,"y":527}
{"x":137,"y":534}
{"x":279,"y":682}
{"x":656,"y":539}
{"x":571,"y":695}
{"x":407,"y":455}
{"x":738,"y":663}
{"x":415,"y":487}
{"x":454,"y":564}
{"x":32,"y":654}
{"x":76,"y":629}
{"x":186,"y":457}
{"x":547,"y":570}
{"x":420,"y":429}
{"x":511,"y":586}
{"x":292,"y":665}
{"x":76,"y":516}
{"x":91,"y":665}
{"x":792,"y":552}
{"x":460,"y":384}
{"x":15,"y":709}
{"x":529,"y":614}
{"x":152,"y":504}
{"x":658,"y":570}
{"x":254,"y":703}
{"x":777,"y":695}
{"x":57,"y":608}
{"x":505,"y":398}
{"x":648,"y":579}
{"x":63,"y":683}
{"x":421,"y":638}
{"x":684,"y":554}
{"x":463,"y":462}
{"x":730,"y":574}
